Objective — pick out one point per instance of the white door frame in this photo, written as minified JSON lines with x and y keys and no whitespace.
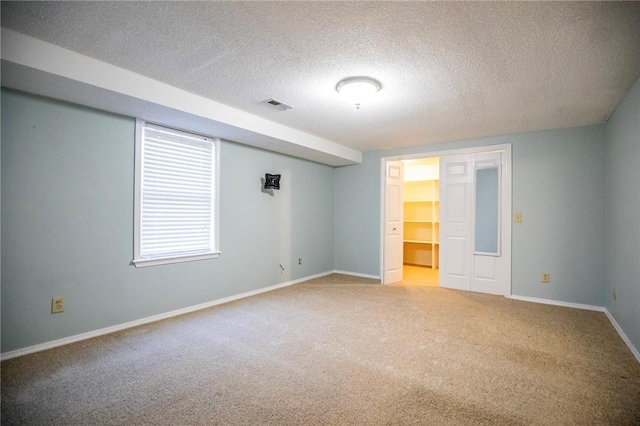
{"x":507,"y":201}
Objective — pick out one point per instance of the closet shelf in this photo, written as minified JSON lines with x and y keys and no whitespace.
{"x":421,"y":224}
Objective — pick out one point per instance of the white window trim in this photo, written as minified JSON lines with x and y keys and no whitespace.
{"x":137,"y":261}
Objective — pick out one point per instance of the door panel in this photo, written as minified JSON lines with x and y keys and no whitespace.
{"x":488,"y":268}
{"x":484,"y":267}
{"x":455,"y":222}
{"x":456,"y":261}
{"x":457,"y":200}
{"x":393,"y":217}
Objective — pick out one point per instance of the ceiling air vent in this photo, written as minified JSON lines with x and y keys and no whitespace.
{"x":281,"y":106}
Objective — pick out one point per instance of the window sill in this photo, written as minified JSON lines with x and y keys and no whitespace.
{"x":143,"y":263}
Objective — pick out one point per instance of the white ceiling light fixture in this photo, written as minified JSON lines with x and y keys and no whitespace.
{"x":358,"y":90}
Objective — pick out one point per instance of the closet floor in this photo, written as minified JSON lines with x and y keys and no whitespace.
{"x":419,"y":276}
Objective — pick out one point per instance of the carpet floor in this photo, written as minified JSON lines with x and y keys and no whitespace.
{"x":339,"y":350}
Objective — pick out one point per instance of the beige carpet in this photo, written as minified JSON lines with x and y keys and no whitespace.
{"x":339,"y":351}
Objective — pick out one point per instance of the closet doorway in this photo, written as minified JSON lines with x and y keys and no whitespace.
{"x":421,"y":226}
{"x":448,"y":214}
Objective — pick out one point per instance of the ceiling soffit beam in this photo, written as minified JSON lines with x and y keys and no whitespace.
{"x":41,"y":68}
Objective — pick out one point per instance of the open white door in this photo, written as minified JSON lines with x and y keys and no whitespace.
{"x":393,"y":223}
{"x":455,"y":222}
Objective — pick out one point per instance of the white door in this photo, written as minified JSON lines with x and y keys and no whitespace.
{"x":488,"y":222}
{"x":455,"y":222}
{"x":393,"y":223}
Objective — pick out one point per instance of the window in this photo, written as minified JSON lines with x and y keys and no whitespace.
{"x":176,"y":200}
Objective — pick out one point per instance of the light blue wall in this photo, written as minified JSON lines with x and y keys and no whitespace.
{"x":67,"y":225}
{"x":67,"y":220}
{"x":558,"y":185}
{"x":623,"y":214}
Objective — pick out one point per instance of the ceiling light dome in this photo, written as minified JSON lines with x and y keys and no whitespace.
{"x":358,"y":90}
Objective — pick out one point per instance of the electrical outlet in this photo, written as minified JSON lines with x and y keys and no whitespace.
{"x":546,"y":277}
{"x":517,"y":217}
{"x":299,"y":261}
{"x":57,"y":305}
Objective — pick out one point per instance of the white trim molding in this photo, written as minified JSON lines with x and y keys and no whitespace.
{"x":558,"y":303}
{"x":622,"y":334}
{"x":357,"y":274}
{"x":107,"y":330}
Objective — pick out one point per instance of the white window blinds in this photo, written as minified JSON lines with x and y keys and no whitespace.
{"x":176,"y":194}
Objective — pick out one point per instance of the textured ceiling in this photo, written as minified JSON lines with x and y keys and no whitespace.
{"x":450,"y":70}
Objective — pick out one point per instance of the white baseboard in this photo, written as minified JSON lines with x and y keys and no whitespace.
{"x":613,"y":321}
{"x":615,"y":324}
{"x":154,"y":318}
{"x":558,"y":303}
{"x":84,"y":336}
{"x":356,"y":274}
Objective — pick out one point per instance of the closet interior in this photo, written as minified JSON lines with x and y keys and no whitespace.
{"x":421,"y":204}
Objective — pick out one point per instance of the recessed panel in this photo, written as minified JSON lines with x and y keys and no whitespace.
{"x":394,"y":171}
{"x":456,"y":202}
{"x":456,"y":255}
{"x":394,"y":203}
{"x":456,"y":169}
{"x":485,"y":267}
{"x":393,"y":254}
